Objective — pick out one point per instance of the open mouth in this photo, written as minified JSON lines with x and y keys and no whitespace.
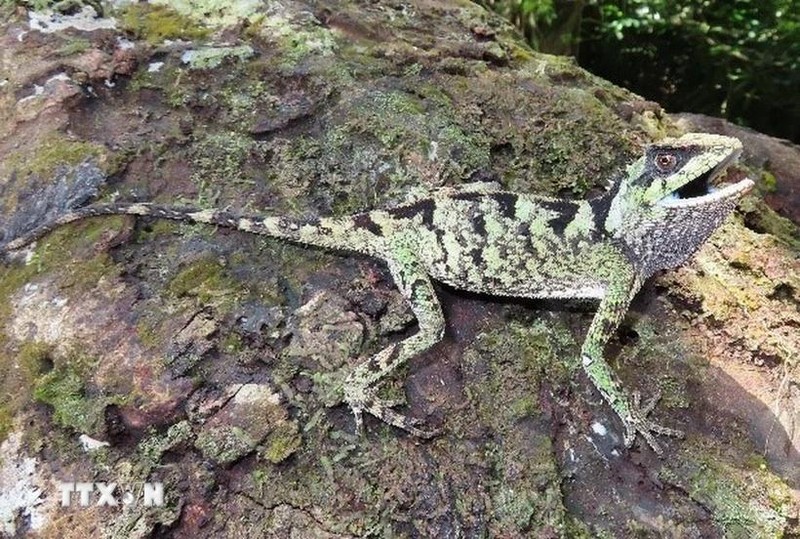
{"x":715,"y":184}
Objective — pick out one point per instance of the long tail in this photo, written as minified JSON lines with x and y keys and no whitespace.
{"x":329,"y":233}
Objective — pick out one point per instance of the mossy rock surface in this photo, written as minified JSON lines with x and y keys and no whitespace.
{"x":211,"y":361}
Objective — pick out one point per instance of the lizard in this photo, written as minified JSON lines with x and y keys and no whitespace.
{"x":478,"y":237}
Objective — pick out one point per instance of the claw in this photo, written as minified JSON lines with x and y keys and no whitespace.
{"x":651,"y":404}
{"x":408,"y":424}
{"x":393,"y":403}
{"x":361,"y":399}
{"x":638,"y":422}
{"x":358,"y":415}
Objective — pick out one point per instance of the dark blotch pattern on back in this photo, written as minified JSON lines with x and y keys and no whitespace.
{"x":424,"y":207}
{"x":566,"y":210}
{"x":479,"y":225}
{"x":364,"y":220}
{"x":507,"y":203}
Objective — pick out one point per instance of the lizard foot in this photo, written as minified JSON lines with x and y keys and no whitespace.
{"x":362,"y":398}
{"x":638,"y":422}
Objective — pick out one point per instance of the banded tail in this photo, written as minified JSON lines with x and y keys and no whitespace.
{"x":329,"y":233}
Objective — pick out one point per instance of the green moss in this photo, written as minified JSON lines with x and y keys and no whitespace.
{"x":147,"y":331}
{"x":424,"y":126}
{"x":232,"y":343}
{"x":217,"y":13}
{"x":295,"y":41}
{"x":35,"y":5}
{"x":57,"y":253}
{"x":656,"y":345}
{"x":244,"y":100}
{"x":525,"y":406}
{"x":65,"y":250}
{"x":392,"y":117}
{"x":281,"y":442}
{"x":63,"y":388}
{"x":156,"y":23}
{"x":12,"y":278}
{"x":211,"y":57}
{"x":512,"y":361}
{"x":178,"y":95}
{"x":205,"y":279}
{"x":519,"y":53}
{"x":761,"y":218}
{"x":74,"y":45}
{"x":156,"y":229}
{"x":769,"y":183}
{"x":53,"y":151}
{"x":219,"y":162}
{"x":464,"y":152}
{"x":151,"y":449}
{"x":6,"y":421}
{"x":204,"y":272}
{"x":744,"y":503}
{"x":224,"y":444}
{"x":575,"y":529}
{"x":34,"y":360}
{"x":545,"y":346}
{"x":261,"y":478}
{"x":517,"y":508}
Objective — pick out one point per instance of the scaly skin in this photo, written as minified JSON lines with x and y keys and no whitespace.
{"x":480,"y":238}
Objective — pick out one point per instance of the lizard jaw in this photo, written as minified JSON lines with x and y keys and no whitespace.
{"x":734,"y":190}
{"x":686,"y":196}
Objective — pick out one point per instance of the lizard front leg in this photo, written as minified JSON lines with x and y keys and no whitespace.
{"x":360,"y":386}
{"x":609,"y":315}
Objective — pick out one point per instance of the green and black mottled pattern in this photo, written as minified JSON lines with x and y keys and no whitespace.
{"x":480,"y":238}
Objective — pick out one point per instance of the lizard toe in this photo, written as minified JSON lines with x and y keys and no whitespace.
{"x":638,"y":422}
{"x":409,"y":424}
{"x":361,"y":398}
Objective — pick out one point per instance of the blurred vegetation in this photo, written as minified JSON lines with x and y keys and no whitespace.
{"x":739,"y":59}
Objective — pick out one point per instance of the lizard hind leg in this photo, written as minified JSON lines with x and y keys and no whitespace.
{"x":360,"y":387}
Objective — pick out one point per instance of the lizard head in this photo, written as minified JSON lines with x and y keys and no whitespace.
{"x":673,"y":198}
{"x":682,"y":173}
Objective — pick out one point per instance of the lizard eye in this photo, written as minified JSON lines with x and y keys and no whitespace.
{"x":665,"y":162}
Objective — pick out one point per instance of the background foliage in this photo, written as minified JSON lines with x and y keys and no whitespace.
{"x":739,"y":59}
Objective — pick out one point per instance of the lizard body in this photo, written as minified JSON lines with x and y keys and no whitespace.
{"x":480,"y":238}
